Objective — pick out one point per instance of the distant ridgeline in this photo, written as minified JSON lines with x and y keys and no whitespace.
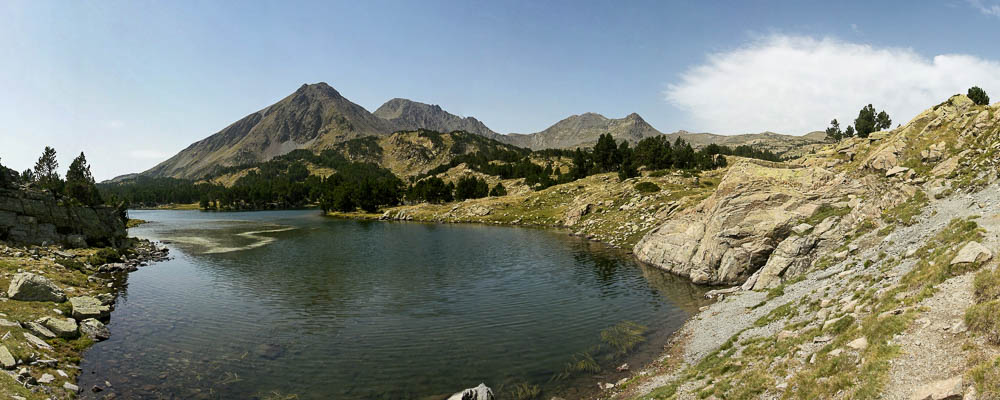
{"x":359,"y":173}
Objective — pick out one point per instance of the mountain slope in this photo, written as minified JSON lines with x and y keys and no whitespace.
{"x":410,"y":115}
{"x":317,"y":117}
{"x":314,"y":117}
{"x":583,"y":131}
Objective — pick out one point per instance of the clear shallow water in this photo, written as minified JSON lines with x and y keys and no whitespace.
{"x":291,"y":302}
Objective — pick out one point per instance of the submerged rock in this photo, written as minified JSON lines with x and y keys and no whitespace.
{"x":27,"y":286}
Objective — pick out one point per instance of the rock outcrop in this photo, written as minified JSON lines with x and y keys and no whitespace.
{"x":734,"y":232}
{"x":36,"y":217}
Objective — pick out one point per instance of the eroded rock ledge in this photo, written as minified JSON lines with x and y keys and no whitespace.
{"x":34,"y":217}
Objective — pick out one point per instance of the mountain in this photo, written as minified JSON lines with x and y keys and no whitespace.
{"x":583,"y":131}
{"x":314,"y":117}
{"x":788,"y":145}
{"x":410,"y":115}
{"x":317,"y":117}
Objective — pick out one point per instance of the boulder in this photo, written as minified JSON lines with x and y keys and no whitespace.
{"x":574,"y":214}
{"x":85,"y":307}
{"x":40,"y":330}
{"x":7,"y":360}
{"x":933,"y":153}
{"x":859,"y":344}
{"x":895,"y":171}
{"x":34,"y":340}
{"x":27,"y":286}
{"x":947,"y":389}
{"x":94,"y":329}
{"x":62,"y":327}
{"x":480,"y":392}
{"x":790,"y":258}
{"x":973,"y":252}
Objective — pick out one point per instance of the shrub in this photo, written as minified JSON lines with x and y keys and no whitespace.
{"x":647,"y":187}
{"x":72,"y":264}
{"x":986,"y":287}
{"x":985,"y":319}
{"x":978,"y":96}
{"x":498,"y":190}
{"x":104,"y":256}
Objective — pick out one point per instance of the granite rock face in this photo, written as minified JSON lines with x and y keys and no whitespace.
{"x":734,"y":232}
{"x":35,"y":217}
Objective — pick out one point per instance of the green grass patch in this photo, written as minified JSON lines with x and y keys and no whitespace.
{"x":783,"y":311}
{"x":647,"y":187}
{"x":906,"y":212}
{"x":826,"y":211}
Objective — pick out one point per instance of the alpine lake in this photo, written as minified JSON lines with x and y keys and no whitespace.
{"x":295,"y":305}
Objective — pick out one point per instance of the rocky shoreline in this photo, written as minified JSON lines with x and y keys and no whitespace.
{"x":56,"y":305}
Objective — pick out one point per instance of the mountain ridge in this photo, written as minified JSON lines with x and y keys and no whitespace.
{"x":316,"y":117}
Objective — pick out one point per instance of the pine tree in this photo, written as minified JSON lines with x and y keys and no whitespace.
{"x":46,"y":174}
{"x":882,"y":121}
{"x":865,"y":123}
{"x":833,"y":132}
{"x":498,"y":190}
{"x":978,"y":96}
{"x":80,"y":183}
{"x":849,"y":132}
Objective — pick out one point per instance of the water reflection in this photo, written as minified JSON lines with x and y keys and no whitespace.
{"x":352,"y":310}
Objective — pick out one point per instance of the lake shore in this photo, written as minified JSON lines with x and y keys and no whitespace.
{"x":55,"y":308}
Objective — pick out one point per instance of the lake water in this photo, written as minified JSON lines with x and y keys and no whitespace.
{"x":275,"y":304}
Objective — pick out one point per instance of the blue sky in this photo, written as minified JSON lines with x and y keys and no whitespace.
{"x":131,"y":83}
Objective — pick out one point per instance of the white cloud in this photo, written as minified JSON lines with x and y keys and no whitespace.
{"x":115,"y":124}
{"x":988,"y":9}
{"x":149,"y":154}
{"x":797,"y":84}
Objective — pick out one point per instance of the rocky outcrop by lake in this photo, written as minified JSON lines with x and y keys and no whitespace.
{"x":35,"y":217}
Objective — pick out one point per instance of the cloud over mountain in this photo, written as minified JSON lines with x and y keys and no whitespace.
{"x":797,"y":84}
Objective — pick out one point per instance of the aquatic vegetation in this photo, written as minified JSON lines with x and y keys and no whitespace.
{"x":624,"y":336}
{"x":525,"y":391}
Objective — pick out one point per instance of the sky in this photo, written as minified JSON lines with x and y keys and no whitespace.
{"x":131,"y":83}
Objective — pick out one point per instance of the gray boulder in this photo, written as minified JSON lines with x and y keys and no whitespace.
{"x":6,"y":359}
{"x":62,"y":327}
{"x":27,"y":286}
{"x":480,"y":392}
{"x":94,"y":329}
{"x":39,"y":330}
{"x":89,"y":307}
{"x":971,"y":253}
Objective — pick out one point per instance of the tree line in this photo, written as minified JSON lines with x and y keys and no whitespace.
{"x":78,"y":186}
{"x":286,"y":181}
